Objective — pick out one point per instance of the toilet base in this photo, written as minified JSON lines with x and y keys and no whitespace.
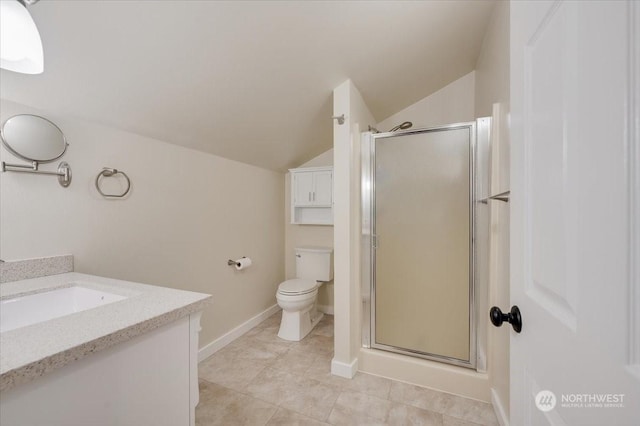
{"x":296,"y":325}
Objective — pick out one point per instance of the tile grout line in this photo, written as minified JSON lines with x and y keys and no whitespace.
{"x":271,"y":416}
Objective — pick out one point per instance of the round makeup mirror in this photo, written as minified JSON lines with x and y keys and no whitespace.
{"x":33,"y":138}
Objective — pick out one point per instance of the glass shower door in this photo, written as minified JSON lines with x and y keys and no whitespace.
{"x":422,"y":256}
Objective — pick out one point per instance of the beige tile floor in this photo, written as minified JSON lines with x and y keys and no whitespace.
{"x":260,"y":379}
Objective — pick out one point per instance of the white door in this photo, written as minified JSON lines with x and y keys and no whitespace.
{"x":323,"y":188}
{"x":574,"y":232}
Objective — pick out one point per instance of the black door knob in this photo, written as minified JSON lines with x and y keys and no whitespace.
{"x":514,"y":318}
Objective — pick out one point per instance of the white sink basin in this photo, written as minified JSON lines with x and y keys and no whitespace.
{"x":26,"y":310}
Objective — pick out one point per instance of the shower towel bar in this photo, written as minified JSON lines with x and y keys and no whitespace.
{"x":503,"y":196}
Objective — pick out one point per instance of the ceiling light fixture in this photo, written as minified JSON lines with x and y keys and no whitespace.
{"x":20,"y":43}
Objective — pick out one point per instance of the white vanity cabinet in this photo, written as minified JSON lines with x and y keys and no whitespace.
{"x":149,"y":380}
{"x":312,"y":196}
{"x":131,"y":361}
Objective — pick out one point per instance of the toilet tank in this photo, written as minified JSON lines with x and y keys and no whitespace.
{"x":314,"y":263}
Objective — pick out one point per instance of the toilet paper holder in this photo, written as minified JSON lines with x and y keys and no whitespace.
{"x":233,"y":262}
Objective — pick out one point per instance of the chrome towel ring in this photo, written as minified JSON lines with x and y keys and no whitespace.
{"x":108,"y":172}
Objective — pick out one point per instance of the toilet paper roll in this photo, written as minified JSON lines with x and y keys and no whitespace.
{"x":243,"y":263}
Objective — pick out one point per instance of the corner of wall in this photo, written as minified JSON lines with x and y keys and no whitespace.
{"x":492,"y":87}
{"x":346,"y":154}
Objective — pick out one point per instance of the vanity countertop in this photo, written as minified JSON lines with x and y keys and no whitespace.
{"x":32,"y":351}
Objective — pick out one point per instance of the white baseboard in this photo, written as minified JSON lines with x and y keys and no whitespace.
{"x":326,"y":309}
{"x":499,"y":408}
{"x":209,"y":349}
{"x":343,"y":369}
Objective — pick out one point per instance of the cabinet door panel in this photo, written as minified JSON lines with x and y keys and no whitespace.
{"x":323,"y":188}
{"x":302,"y":188}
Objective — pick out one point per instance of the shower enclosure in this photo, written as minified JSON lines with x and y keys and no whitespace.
{"x":425,"y":242}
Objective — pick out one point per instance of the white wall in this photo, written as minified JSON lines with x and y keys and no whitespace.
{"x":454,"y":103}
{"x":346,"y":177}
{"x":307,"y":235}
{"x":492,"y":87}
{"x":188,"y":212}
{"x":492,"y":67}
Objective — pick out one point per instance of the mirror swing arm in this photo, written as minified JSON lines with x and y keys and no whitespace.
{"x":13,"y":139}
{"x":63,"y":172}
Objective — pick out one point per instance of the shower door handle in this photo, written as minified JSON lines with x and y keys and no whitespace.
{"x":513,"y":317}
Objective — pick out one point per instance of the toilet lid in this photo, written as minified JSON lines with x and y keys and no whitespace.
{"x":297,"y":286}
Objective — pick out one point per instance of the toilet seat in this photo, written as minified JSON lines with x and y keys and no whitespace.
{"x":297,"y":286}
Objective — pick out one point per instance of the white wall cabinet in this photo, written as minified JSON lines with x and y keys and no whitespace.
{"x":312,"y":196}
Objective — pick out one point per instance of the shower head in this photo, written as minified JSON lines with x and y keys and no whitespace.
{"x":403,"y":126}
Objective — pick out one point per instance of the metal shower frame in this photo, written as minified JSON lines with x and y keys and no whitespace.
{"x":369,"y":243}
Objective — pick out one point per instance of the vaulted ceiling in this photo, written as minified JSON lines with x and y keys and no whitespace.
{"x":249,"y":81}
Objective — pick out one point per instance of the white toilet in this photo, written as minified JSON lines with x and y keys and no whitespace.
{"x":297,"y":297}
